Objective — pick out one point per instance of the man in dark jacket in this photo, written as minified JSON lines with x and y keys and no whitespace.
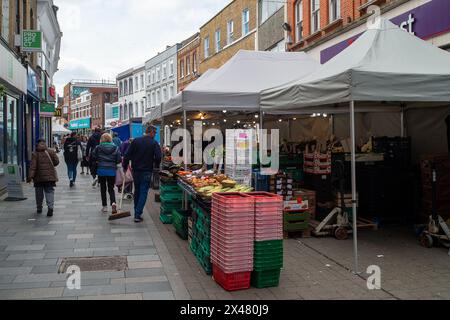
{"x":93,"y":142}
{"x":144,"y":154}
{"x":72,"y":150}
{"x":43,"y":174}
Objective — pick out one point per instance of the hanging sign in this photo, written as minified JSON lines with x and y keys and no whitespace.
{"x":31,"y":41}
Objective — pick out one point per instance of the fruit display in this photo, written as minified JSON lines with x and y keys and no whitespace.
{"x":206,"y":183}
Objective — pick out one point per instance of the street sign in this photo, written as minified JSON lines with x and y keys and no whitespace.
{"x":31,"y":41}
{"x":14,"y":182}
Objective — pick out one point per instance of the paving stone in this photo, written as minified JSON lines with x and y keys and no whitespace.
{"x":144,"y":272}
{"x":80,"y":236}
{"x":148,"y":287}
{"x":6,"y":278}
{"x":25,"y":294}
{"x":45,"y":277}
{"x":25,"y":256}
{"x":15,"y":271}
{"x":45,"y":262}
{"x":95,"y":290}
{"x":119,"y":297}
{"x":158,"y":295}
{"x":44,"y":269}
{"x":145,"y":265}
{"x":139,"y":280}
{"x":151,"y":257}
{"x":27,"y":285}
{"x":25,"y":248}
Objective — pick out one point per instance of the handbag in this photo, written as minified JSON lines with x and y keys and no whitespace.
{"x":51,"y":161}
{"x":80,"y":153}
{"x":119,"y":177}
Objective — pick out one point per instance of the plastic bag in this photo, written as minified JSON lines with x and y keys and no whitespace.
{"x":119,"y":177}
{"x":129,"y":176}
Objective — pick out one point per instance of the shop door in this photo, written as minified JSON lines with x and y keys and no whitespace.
{"x":11,"y":130}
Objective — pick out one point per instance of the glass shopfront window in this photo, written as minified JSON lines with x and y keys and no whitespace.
{"x":11,"y":130}
{"x":2,"y":136}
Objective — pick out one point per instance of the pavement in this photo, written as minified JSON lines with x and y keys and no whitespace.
{"x":161,"y":266}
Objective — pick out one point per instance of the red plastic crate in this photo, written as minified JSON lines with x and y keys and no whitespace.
{"x":265,"y":197}
{"x":232,"y":281}
{"x":239,"y":208}
{"x":229,"y":238}
{"x":232,"y":198}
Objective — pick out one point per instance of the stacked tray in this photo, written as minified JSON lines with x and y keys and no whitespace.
{"x":232,"y":238}
{"x":268,"y":216}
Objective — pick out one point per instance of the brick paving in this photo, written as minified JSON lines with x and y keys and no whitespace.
{"x":31,"y":249}
{"x":161,"y":266}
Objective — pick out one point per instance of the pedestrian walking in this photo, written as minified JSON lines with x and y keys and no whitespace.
{"x":43,"y":173}
{"x":107,"y":157}
{"x":144,"y":154}
{"x":72,"y":156}
{"x":84,"y":162}
{"x":116,"y":139}
{"x":93,"y":142}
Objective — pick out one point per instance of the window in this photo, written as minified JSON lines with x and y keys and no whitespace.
{"x":181,"y":68}
{"x":230,"y":32}
{"x":245,"y":22}
{"x":171,"y":91}
{"x":171,"y":68}
{"x":153,"y":76}
{"x":194,"y":62}
{"x":164,"y":94}
{"x":130,"y":85}
{"x":142,"y":108}
{"x":136,"y":83}
{"x":153,"y":101}
{"x":136,"y":109}
{"x":142,"y":82}
{"x":299,"y":20}
{"x":164,"y":71}
{"x":5,"y":20}
{"x":158,"y":97}
{"x":218,"y":40}
{"x":267,"y":8}
{"x":120,"y":88}
{"x":335,"y":10}
{"x":206,"y":47}
{"x":149,"y":77}
{"x":188,"y":65}
{"x":158,"y":74}
{"x":125,"y":93}
{"x":315,"y":16}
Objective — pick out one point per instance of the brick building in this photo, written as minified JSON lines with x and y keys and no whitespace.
{"x":323,"y":28}
{"x":99,"y":98}
{"x":230,"y":30}
{"x":188,"y":61}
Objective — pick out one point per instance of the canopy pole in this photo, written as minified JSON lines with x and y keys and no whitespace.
{"x":402,"y":120}
{"x":185,"y":147}
{"x":162,"y":131}
{"x":353,"y":148}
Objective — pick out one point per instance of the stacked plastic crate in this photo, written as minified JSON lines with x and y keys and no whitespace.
{"x":268,"y":255}
{"x":201,"y":236}
{"x":232,"y":240}
{"x":171,"y":198}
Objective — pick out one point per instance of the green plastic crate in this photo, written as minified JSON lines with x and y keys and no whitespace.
{"x":271,"y":244}
{"x":165,"y":219}
{"x":266,"y":279}
{"x":170,"y":189}
{"x":296,"y":221}
{"x":171,"y":197}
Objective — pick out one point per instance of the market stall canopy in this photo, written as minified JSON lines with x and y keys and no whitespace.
{"x":59,"y":129}
{"x":238,"y":83}
{"x":384,"y":64}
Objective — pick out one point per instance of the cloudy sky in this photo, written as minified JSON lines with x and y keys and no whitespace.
{"x":101,"y":38}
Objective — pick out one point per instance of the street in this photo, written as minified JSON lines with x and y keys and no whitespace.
{"x":161,"y":266}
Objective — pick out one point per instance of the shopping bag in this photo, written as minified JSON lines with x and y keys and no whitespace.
{"x":129,"y":176}
{"x":119,"y":177}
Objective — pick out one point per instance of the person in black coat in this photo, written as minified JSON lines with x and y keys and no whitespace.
{"x":72,"y":150}
{"x":93,"y":142}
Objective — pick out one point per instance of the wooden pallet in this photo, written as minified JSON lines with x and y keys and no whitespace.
{"x":297,"y":234}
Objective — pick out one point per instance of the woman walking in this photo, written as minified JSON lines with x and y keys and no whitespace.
{"x":107,"y":157}
{"x":84,"y":162}
{"x":43,"y":174}
{"x":72,"y":152}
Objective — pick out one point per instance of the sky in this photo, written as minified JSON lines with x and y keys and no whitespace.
{"x":102,"y":38}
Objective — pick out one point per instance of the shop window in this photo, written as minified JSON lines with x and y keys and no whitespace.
{"x":11,"y":130}
{"x":2,"y":137}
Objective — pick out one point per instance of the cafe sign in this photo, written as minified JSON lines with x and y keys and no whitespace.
{"x":31,"y":41}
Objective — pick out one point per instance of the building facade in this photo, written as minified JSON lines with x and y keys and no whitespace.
{"x":188,"y":61}
{"x":271,"y":17}
{"x":132,"y":93}
{"x":232,"y":29}
{"x":99,"y":99}
{"x":326,"y":27}
{"x":162,"y":75}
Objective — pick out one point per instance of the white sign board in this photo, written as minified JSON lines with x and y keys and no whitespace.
{"x":14,"y":182}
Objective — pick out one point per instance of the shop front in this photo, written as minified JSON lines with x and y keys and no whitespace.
{"x":13,"y":87}
{"x":31,"y":116}
{"x":81,"y":126}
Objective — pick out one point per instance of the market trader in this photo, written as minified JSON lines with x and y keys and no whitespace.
{"x":144,"y":154}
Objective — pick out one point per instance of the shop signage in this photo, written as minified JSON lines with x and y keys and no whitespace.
{"x":31,"y":41}
{"x":76,"y":92}
{"x":33,"y":83}
{"x":425,"y":21}
{"x":58,"y":113}
{"x":13,"y":182}
{"x":80,"y":124}
{"x":47,"y":109}
{"x":12,"y":71}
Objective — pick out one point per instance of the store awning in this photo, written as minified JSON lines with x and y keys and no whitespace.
{"x":59,"y":129}
{"x":384,"y":64}
{"x":238,"y":83}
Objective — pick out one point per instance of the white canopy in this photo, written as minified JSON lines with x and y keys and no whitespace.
{"x":59,"y":129}
{"x":384,"y":64}
{"x":238,"y":83}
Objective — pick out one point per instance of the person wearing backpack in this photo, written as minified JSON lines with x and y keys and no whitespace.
{"x":43,"y":173}
{"x":107,"y":157}
{"x":72,"y":155}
